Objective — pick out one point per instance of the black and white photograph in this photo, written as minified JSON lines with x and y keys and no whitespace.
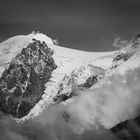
{"x":69,"y":69}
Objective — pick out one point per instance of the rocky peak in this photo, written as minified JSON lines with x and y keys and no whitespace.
{"x":22,"y":83}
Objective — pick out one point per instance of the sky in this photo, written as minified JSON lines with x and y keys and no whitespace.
{"x":89,"y":25}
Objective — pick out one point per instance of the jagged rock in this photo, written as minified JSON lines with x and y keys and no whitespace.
{"x":121,"y":57}
{"x":22,"y":83}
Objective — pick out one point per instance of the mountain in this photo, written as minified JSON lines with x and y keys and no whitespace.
{"x":36,"y":72}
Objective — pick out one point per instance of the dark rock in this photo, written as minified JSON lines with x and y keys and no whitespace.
{"x":62,"y":97}
{"x":128,"y":130}
{"x":123,"y":56}
{"x":90,"y":82}
{"x":22,"y":83}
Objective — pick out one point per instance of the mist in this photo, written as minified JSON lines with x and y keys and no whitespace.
{"x":89,"y":115}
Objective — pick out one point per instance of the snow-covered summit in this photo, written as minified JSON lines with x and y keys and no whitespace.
{"x":35,"y":72}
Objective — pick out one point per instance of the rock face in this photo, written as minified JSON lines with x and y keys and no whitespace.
{"x":121,"y":57}
{"x":22,"y":83}
{"x":128,"y":130}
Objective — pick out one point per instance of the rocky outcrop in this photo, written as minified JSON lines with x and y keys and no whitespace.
{"x":121,"y":57}
{"x":128,"y":130}
{"x":22,"y":83}
{"x":84,"y":77}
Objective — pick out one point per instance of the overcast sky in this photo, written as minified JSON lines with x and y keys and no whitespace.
{"x":82,"y":24}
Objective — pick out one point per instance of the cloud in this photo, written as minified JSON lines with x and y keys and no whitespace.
{"x":116,"y":101}
{"x":51,"y":125}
